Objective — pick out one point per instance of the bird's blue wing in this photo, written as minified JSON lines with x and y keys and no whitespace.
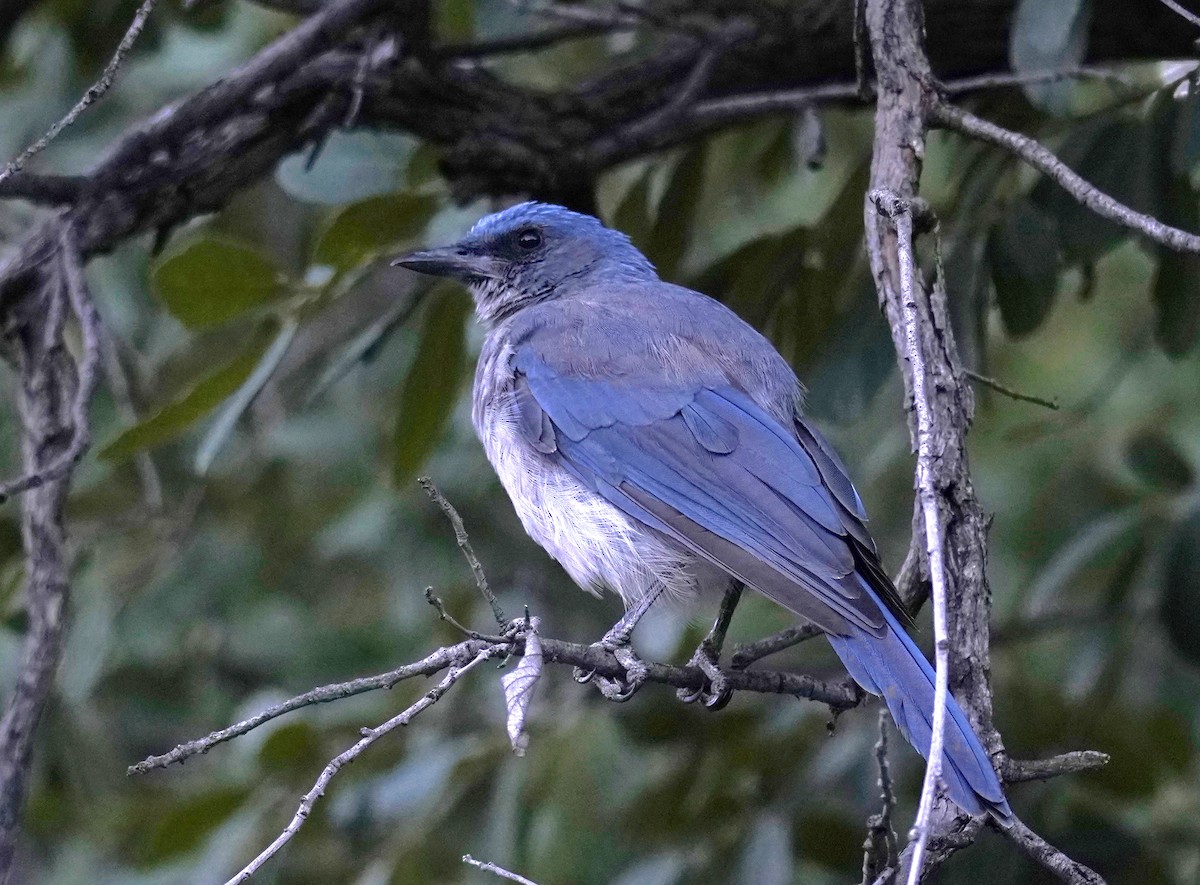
{"x":708,"y":467}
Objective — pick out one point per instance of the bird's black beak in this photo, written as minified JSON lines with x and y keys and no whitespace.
{"x":448,"y":261}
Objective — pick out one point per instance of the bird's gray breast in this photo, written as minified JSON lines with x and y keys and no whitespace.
{"x":595,"y":542}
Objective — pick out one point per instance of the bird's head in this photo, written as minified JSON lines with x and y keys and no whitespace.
{"x":531,"y":253}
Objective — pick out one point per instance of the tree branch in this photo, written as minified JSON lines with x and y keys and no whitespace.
{"x":369,"y":737}
{"x":464,"y":544}
{"x":1042,"y":159}
{"x":489,"y":867}
{"x":838,"y":696}
{"x":42,"y":190}
{"x":48,"y":403}
{"x":1014,"y":771}
{"x":900,"y":213}
{"x":1190,"y":17}
{"x":453,"y":655}
{"x":745,"y":654}
{"x":1049,"y":857}
{"x":95,"y":91}
{"x":80,"y":299}
{"x":1010,"y":392}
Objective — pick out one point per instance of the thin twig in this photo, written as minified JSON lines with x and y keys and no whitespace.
{"x":122,"y":394}
{"x":444,"y":615}
{"x":1014,"y":771}
{"x":879,"y":850}
{"x":1189,"y":17}
{"x":863,"y":68}
{"x":434,"y":663}
{"x":745,"y":654}
{"x":645,"y":129}
{"x":369,"y":737}
{"x":749,"y":105}
{"x":1042,"y":159}
{"x":838,"y":696}
{"x":1009,"y":392}
{"x":94,"y":93}
{"x":91,"y":331}
{"x":489,"y":867}
{"x":464,"y":544}
{"x":900,"y":213}
{"x":1049,"y":857}
{"x":1008,"y":79}
{"x":541,"y":39}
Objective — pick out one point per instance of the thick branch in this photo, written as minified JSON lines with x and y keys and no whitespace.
{"x":47,"y":388}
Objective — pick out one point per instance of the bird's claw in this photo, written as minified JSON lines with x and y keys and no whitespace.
{"x":623,"y":688}
{"x":715,"y":693}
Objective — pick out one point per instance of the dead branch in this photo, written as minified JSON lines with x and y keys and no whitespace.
{"x":900,"y":213}
{"x":464,"y":544}
{"x":370,"y":736}
{"x":1043,"y":160}
{"x":489,"y":867}
{"x":1049,"y":857}
{"x":94,"y":93}
{"x":838,"y":696}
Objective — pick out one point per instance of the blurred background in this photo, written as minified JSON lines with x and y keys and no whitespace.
{"x":249,"y":525}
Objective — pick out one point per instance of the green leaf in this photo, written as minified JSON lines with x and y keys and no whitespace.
{"x":291,"y":748}
{"x":966,"y":282}
{"x":184,"y":826}
{"x":677,"y":212}
{"x":1024,"y":260}
{"x":1156,"y":462}
{"x":1176,"y":287}
{"x":210,"y":281}
{"x":422,"y":165}
{"x":766,"y":858}
{"x":1120,"y":157}
{"x":217,"y":435}
{"x":1176,"y":295}
{"x":855,"y":360}
{"x":174,"y":419}
{"x":1185,"y":130}
{"x":350,"y":166}
{"x":1049,"y":35}
{"x":455,"y":20}
{"x":430,"y":391}
{"x":365,"y":345}
{"x":632,"y":216}
{"x":366,"y":230}
{"x":1181,"y":588}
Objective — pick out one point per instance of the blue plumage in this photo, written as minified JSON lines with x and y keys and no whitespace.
{"x":651,"y":439}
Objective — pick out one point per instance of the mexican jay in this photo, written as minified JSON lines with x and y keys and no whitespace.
{"x":652,"y":442}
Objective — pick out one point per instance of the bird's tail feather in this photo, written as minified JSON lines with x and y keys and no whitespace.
{"x":894,"y":668}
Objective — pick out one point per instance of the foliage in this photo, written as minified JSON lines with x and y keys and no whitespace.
{"x":298,"y":553}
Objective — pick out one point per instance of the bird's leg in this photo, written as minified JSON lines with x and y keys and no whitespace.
{"x":716,"y":694}
{"x":616,"y":642}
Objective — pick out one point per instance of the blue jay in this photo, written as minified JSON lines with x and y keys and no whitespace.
{"x":653,"y":443}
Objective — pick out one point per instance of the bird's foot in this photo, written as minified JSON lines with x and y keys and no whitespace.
{"x":715,"y":693}
{"x":622,"y":688}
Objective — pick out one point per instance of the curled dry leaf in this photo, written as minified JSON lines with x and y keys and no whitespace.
{"x":519,"y":686}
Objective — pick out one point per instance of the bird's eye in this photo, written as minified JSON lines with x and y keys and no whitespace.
{"x":530,"y":238}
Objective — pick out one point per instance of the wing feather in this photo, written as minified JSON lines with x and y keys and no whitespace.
{"x":710,"y":469}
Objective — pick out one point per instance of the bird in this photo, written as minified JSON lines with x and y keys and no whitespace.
{"x":654,"y":443}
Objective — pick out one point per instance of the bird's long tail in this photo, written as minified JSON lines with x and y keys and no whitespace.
{"x":894,"y":668}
